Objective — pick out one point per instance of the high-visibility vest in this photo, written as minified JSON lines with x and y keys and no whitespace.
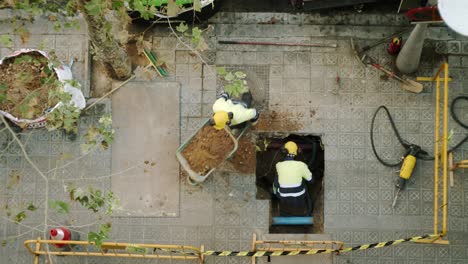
{"x":240,"y":113}
{"x":290,"y":176}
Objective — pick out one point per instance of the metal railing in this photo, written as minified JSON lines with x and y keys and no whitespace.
{"x":113,"y":249}
{"x":292,"y":245}
{"x":440,"y":154}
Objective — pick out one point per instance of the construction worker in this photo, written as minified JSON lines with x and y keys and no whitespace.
{"x":233,"y":113}
{"x":290,"y":186}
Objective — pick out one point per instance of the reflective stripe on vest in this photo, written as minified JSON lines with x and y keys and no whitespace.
{"x":295,"y":194}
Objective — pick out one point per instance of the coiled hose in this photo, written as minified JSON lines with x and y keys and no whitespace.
{"x":405,"y":143}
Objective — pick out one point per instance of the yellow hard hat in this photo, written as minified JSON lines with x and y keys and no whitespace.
{"x":220,"y":119}
{"x":291,"y":147}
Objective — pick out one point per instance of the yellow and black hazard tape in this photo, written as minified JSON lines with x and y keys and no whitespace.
{"x":313,"y":251}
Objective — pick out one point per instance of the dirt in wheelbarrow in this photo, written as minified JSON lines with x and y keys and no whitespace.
{"x":25,"y":82}
{"x":208,"y":149}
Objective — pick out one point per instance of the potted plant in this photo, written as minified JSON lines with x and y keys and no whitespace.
{"x":37,"y":91}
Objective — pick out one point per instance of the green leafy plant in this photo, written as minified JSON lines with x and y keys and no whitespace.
{"x":101,"y":235}
{"x":60,"y":207}
{"x":102,"y":136}
{"x":195,"y":36}
{"x":31,"y":207}
{"x":6,"y":41}
{"x":235,"y":81}
{"x":93,"y":199}
{"x":136,"y":249}
{"x":3,"y":92}
{"x":19,"y":217}
{"x":65,"y":115}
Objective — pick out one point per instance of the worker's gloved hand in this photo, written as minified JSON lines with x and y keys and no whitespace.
{"x":224,"y":95}
{"x":254,"y":120}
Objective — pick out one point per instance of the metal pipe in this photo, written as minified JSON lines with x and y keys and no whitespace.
{"x":266,"y":43}
{"x":293,"y":220}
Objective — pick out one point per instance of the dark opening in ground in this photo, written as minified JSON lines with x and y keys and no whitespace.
{"x":312,"y":153}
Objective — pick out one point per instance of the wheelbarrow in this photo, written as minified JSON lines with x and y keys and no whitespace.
{"x":195,"y":178}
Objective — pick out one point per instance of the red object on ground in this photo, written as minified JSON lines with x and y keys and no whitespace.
{"x":430,"y":13}
{"x":61,"y":234}
{"x":394,"y":46}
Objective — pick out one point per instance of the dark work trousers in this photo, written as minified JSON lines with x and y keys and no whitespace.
{"x":294,"y":206}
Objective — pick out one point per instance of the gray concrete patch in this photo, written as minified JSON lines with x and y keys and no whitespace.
{"x":146,"y":115}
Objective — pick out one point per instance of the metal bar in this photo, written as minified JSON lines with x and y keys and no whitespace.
{"x":283,"y":249}
{"x":437,"y":240}
{"x":254,"y":247}
{"x":430,"y":79}
{"x":444,"y":149}
{"x":296,"y":242}
{"x":450,"y":165}
{"x":427,"y":22}
{"x":36,"y":257}
{"x":436,"y":158}
{"x":438,"y":72}
{"x":186,"y":255}
{"x":107,"y":244}
{"x":266,"y":43}
{"x":125,"y":255}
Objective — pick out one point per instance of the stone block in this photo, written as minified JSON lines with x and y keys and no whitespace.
{"x":191,"y":110}
{"x":195,"y":70}
{"x":454,"y":47}
{"x":296,"y":85}
{"x":249,"y":57}
{"x":182,"y":70}
{"x":464,"y":61}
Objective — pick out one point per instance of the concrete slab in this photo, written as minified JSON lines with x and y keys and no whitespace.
{"x":146,"y":117}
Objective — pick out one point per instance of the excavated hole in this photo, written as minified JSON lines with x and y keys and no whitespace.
{"x":269,"y":153}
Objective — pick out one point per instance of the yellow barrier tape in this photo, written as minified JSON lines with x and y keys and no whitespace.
{"x":314,"y":251}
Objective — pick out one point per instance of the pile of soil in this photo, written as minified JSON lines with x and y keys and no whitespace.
{"x":274,"y":121}
{"x":244,"y":160}
{"x":208,"y":149}
{"x":25,"y":81}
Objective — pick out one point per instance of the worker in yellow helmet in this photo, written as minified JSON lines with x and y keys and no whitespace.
{"x":233,"y":113}
{"x":290,"y":185}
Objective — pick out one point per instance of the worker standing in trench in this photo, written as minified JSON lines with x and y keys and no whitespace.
{"x":290,"y":185}
{"x":233,"y":113}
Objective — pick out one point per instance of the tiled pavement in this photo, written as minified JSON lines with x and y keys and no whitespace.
{"x":222,"y":213}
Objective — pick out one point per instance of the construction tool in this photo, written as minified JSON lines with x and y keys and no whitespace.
{"x":409,"y":85}
{"x":408,"y":163}
{"x":359,"y":52}
{"x":151,"y":56}
{"x":407,"y":168}
{"x":334,"y":45}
